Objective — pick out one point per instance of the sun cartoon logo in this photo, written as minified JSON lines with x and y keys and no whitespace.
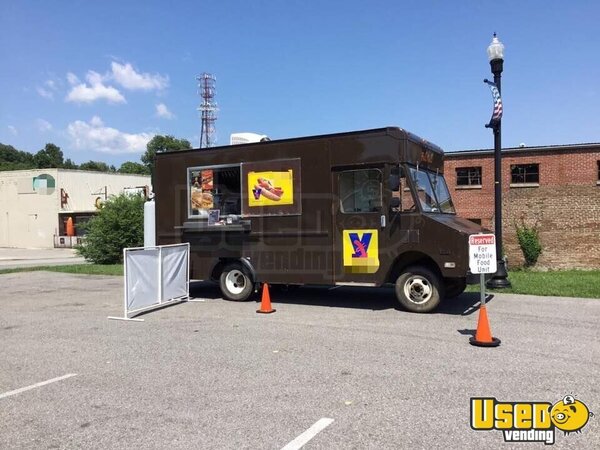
{"x":570,"y":415}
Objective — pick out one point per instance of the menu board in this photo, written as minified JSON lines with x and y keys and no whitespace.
{"x":201,"y":192}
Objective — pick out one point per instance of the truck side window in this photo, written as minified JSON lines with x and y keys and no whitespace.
{"x":360,"y":191}
{"x":407,"y":203}
{"x":425,"y":192}
{"x":394,"y":185}
{"x":400,"y":191}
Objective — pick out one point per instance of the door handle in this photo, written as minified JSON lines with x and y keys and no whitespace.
{"x":383,"y":222}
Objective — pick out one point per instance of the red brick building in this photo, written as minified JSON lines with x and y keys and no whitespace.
{"x":555,"y":188}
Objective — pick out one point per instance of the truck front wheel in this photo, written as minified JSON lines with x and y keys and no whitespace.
{"x":235,"y":283}
{"x":418,"y":289}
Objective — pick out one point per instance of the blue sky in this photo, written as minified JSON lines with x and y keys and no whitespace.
{"x":100,"y":78}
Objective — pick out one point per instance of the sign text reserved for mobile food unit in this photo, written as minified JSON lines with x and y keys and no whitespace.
{"x":482,"y":253}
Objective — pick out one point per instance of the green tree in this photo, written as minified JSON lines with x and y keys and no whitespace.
{"x":69,"y":164}
{"x":134,"y":167}
{"x":96,"y":166}
{"x":118,"y":224}
{"x":50,"y":156}
{"x":13,"y":159}
{"x":9,"y":154}
{"x":160,"y":144}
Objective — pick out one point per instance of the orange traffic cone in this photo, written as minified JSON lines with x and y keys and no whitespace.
{"x":265,"y":302}
{"x":70,"y":227}
{"x":483,"y":335}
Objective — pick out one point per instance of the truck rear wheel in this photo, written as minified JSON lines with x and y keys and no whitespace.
{"x":418,"y":289}
{"x":235,"y":283}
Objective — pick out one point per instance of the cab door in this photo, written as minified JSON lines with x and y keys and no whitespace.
{"x":359,"y":221}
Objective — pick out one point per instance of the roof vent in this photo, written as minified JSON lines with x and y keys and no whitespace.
{"x":247,"y":138}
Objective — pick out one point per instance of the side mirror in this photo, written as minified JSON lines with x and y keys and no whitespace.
{"x":394,"y":182}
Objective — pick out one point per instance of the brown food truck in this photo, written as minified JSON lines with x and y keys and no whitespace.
{"x":364,"y":208}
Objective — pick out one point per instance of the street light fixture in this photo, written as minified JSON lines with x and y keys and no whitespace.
{"x":495,"y":53}
{"x":496,"y":49}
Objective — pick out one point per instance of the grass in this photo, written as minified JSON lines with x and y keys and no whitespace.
{"x":563,"y":283}
{"x":85,"y":269}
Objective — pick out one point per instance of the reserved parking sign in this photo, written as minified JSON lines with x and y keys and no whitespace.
{"x":482,"y":253}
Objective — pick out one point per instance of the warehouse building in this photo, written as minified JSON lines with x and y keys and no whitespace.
{"x":553,"y":188}
{"x":36,"y":205}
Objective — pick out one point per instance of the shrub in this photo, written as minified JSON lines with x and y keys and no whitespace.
{"x":529,"y":241}
{"x":119,"y":224}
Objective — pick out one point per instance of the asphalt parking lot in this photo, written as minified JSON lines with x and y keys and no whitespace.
{"x":215,"y":374}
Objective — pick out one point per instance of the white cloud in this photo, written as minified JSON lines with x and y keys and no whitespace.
{"x":45,"y":93}
{"x":95,"y":78}
{"x":43,"y":125}
{"x":13,"y":130}
{"x":72,"y":78}
{"x":48,"y":90}
{"x":96,"y":122}
{"x":82,"y":93}
{"x":93,"y":135}
{"x":97,"y":86}
{"x":163,"y":111}
{"x":126,"y":76}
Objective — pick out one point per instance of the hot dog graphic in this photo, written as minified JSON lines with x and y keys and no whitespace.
{"x":265,"y":188}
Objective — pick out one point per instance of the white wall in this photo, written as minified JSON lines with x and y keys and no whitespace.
{"x":84,"y":187}
{"x":29,"y":218}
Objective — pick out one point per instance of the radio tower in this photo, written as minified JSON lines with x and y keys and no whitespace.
{"x":208,"y":109}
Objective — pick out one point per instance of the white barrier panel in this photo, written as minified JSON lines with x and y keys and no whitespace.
{"x":175,"y":273}
{"x":154,"y":277}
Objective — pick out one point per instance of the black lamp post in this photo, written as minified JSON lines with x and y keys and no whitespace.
{"x":499,"y":280}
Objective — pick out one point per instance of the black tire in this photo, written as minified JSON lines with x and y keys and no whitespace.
{"x":454,"y":287}
{"x":419,"y":290}
{"x":235,"y":283}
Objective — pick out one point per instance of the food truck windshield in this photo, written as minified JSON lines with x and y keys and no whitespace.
{"x":432,"y":191}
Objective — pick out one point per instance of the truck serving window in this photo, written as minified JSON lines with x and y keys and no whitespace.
{"x":214,"y":188}
{"x":360,"y":191}
{"x":432,"y":191}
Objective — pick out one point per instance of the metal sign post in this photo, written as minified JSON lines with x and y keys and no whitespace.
{"x":482,"y":260}
{"x":482,"y":289}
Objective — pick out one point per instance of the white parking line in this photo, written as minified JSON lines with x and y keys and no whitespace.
{"x":301,"y":440}
{"x":36,"y":385}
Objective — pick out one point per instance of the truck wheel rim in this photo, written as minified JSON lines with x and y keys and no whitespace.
{"x":418,"y":290}
{"x":235,"y":281}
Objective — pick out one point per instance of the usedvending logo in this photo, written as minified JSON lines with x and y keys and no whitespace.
{"x":529,"y":421}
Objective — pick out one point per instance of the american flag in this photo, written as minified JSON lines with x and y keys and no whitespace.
{"x":497,"y":113}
